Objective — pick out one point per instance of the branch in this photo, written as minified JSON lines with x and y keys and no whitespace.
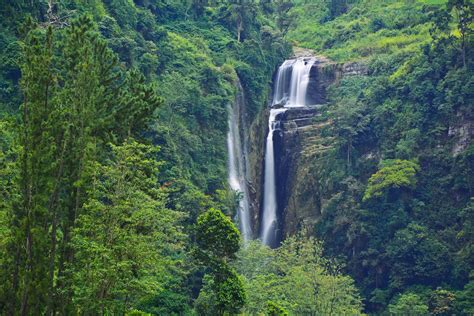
{"x":54,"y":19}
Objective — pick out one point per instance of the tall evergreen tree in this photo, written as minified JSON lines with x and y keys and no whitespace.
{"x":126,"y":241}
{"x":74,"y":92}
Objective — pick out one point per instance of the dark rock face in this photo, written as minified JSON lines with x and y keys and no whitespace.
{"x":289,"y":141}
{"x":322,"y":75}
{"x":354,"y":69}
{"x":460,"y":131}
{"x":298,"y":142}
{"x":255,"y":135}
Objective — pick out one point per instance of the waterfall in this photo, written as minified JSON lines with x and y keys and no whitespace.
{"x":299,"y":82}
{"x":237,"y":164}
{"x":282,"y":82}
{"x":269,"y":215}
{"x":290,"y":90}
{"x":292,"y":81}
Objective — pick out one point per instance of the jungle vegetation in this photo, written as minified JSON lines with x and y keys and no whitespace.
{"x":113,"y":185}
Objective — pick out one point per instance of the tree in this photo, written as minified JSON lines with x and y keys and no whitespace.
{"x":442,"y":302}
{"x":464,"y":301}
{"x":336,"y":7}
{"x":416,"y":256}
{"x":297,"y":278}
{"x":198,"y":6}
{"x":240,"y":14}
{"x":218,"y":240}
{"x":350,"y":116}
{"x":408,"y":304}
{"x":9,"y":196}
{"x":284,"y":18}
{"x":465,"y":14}
{"x":217,"y":237}
{"x":74,"y":92}
{"x":229,"y":291}
{"x":275,"y":310}
{"x":466,"y":235}
{"x":125,"y":207}
{"x":31,"y":284}
{"x":394,"y":174}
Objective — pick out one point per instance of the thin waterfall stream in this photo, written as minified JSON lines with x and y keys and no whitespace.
{"x":269,"y":215}
{"x":237,"y":163}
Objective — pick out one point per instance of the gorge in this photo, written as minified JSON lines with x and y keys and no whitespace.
{"x":299,"y":90}
{"x":275,"y":149}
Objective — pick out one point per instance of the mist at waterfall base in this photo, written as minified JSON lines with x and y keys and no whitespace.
{"x":290,"y":91}
{"x":237,"y":165}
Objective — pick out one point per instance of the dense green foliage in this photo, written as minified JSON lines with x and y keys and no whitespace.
{"x":125,"y":208}
{"x":397,"y":185}
{"x":113,"y":120}
{"x":217,"y":242}
{"x":358,"y":29}
{"x":408,"y":304}
{"x":393,"y":175}
{"x":113,"y":194}
{"x":295,"y":278}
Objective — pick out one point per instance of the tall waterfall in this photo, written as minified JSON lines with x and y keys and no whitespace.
{"x":269,"y":215}
{"x":290,"y":90}
{"x":237,"y":164}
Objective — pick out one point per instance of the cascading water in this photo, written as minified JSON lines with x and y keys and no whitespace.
{"x":292,"y":82}
{"x":282,"y":83}
{"x":290,"y":90}
{"x":299,"y":82}
{"x":269,"y":215}
{"x":237,"y":165}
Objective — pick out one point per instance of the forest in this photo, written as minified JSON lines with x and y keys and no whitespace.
{"x":114,"y":184}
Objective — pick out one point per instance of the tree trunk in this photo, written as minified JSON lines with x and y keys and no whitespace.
{"x":239,"y":29}
{"x":53,"y":211}
{"x":27,"y":201}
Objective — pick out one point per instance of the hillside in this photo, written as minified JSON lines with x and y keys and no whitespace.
{"x":136,"y":135}
{"x":395,"y":190}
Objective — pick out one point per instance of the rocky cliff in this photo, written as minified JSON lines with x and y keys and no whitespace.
{"x":302,"y":143}
{"x":298,"y":144}
{"x":255,"y":137}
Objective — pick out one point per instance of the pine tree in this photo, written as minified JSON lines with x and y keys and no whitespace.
{"x":125,"y":235}
{"x":74,"y":95}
